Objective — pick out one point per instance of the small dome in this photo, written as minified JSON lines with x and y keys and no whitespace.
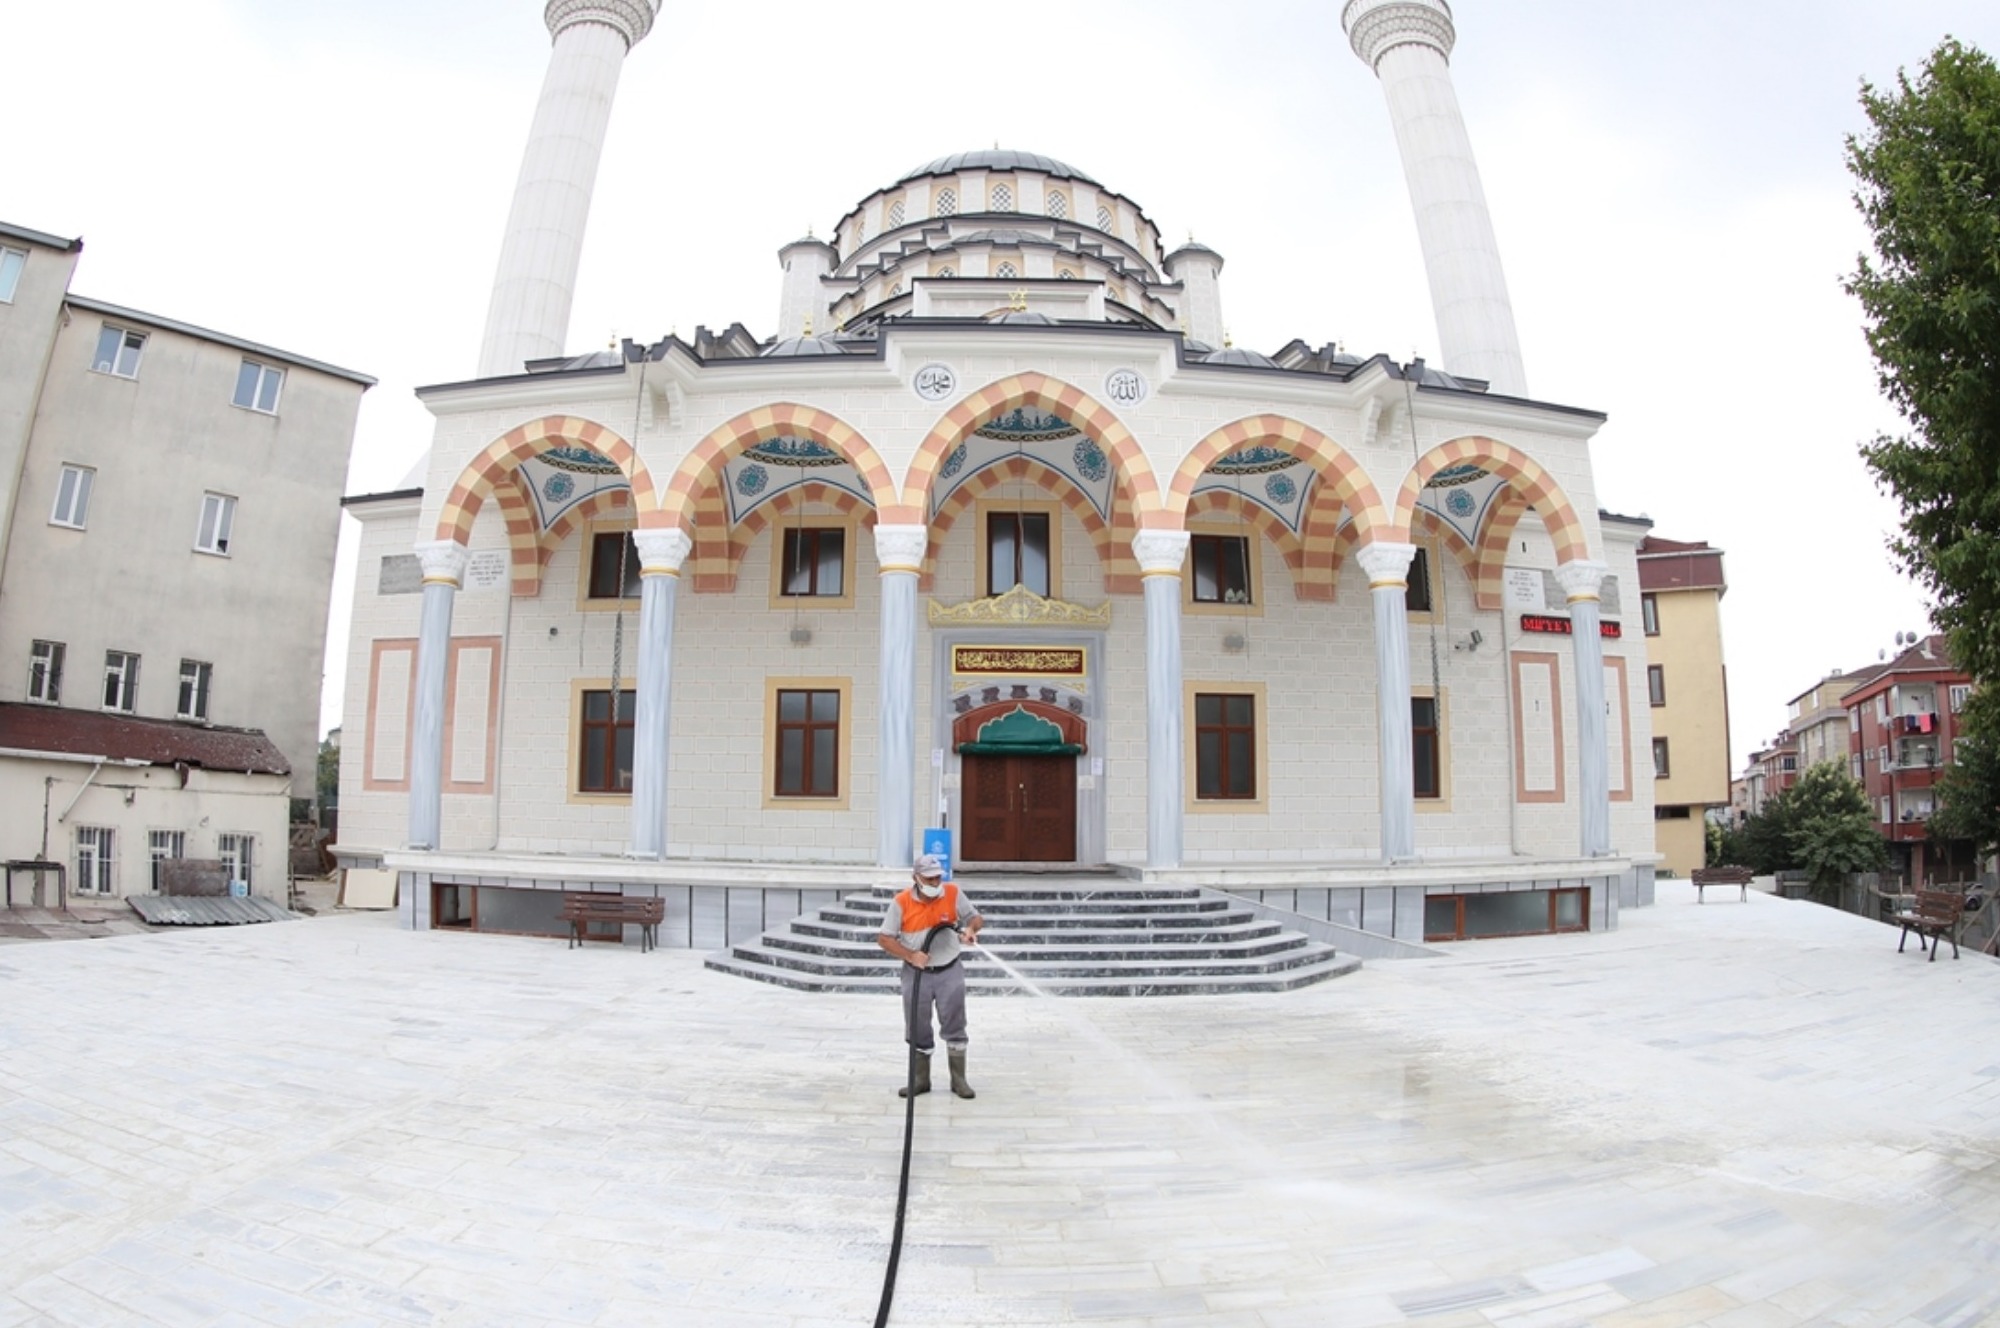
{"x":998,"y":159}
{"x":800,"y":346}
{"x":1238,"y":356}
{"x":1196,"y":349}
{"x":1026,"y":316}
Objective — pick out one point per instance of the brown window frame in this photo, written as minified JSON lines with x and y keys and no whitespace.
{"x":1022,"y":522}
{"x":1663,"y":764}
{"x":814,"y":730}
{"x":795,"y":542}
{"x":1207,"y":552}
{"x":1649,"y":613}
{"x":1429,"y":738}
{"x":1458,"y":926}
{"x":1418,"y":593}
{"x":628,"y":701}
{"x":1222,"y":730}
{"x":1656,"y":684}
{"x":603,"y":568}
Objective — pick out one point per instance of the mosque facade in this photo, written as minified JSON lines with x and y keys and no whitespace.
{"x":998,"y":533}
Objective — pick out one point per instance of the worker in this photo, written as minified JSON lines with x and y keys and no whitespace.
{"x":936,"y":911}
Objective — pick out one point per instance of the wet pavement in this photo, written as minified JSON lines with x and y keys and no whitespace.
{"x":1728,"y":1114}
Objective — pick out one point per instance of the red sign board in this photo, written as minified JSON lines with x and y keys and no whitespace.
{"x":1550,"y":625}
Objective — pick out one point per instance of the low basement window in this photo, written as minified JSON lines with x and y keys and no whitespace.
{"x":1506,"y":913}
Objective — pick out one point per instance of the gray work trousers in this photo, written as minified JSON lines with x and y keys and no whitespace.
{"x":945,"y":989}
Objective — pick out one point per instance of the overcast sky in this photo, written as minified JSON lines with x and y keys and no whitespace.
{"x":1666,"y":182}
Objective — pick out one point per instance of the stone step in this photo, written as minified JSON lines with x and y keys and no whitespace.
{"x":993,"y":982}
{"x":1141,"y":931}
{"x":1042,"y":921}
{"x":1012,"y":906}
{"x":1301,"y":951}
{"x":1054,"y":950}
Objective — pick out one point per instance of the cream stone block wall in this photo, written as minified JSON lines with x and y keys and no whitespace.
{"x":374,"y":820}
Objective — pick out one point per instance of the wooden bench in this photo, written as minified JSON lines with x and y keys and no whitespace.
{"x":580,"y":911}
{"x":1934,"y":918}
{"x":1703,"y":877}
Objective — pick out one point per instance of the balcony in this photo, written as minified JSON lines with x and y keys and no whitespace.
{"x":1925,"y":721}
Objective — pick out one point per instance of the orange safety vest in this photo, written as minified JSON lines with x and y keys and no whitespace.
{"x":920,"y":915}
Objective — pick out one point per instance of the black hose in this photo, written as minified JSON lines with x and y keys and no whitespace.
{"x":909,"y":1133}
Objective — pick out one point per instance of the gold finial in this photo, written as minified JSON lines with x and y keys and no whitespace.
{"x":1018,"y":302}
{"x":809,"y":325}
{"x":1228,"y":341}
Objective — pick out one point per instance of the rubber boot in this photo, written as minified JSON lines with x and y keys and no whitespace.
{"x":923,"y":1078}
{"x":958,"y":1083}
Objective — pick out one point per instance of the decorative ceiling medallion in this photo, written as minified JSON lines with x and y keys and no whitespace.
{"x":1019,"y":607}
{"x":934,"y":382}
{"x":1254,"y":461}
{"x":1126,"y":387}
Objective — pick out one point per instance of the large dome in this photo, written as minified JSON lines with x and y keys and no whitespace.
{"x":997,"y":159}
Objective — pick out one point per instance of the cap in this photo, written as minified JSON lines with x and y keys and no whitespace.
{"x":930,"y":864}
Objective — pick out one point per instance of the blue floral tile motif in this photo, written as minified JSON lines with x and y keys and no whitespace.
{"x":1281,"y":490}
{"x":579,"y":459}
{"x":558,"y":487}
{"x":953,"y":463}
{"x":1090,"y":461}
{"x":1455,"y":475}
{"x":789,"y":451}
{"x":1459,"y":503}
{"x":1026,"y":424}
{"x":752,"y":481}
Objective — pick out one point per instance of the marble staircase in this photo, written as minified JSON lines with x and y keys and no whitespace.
{"x":1071,"y":936}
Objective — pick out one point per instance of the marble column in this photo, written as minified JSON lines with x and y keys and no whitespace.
{"x":444,"y":570}
{"x":661,"y":553}
{"x":1388,"y":568}
{"x":1581,"y":581}
{"x":899,"y":554}
{"x":1161,"y":554}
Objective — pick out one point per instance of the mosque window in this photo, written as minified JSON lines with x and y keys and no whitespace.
{"x":897,"y":289}
{"x":1006,"y":270}
{"x":815,"y":563}
{"x":896,"y":213}
{"x":1104,"y":219}
{"x":614,"y":559}
{"x":1225,"y":746}
{"x":1426,"y":758}
{"x":1221,"y":569}
{"x":1003,"y":198}
{"x":604,"y":747}
{"x":808,"y":744}
{"x":946,"y":272}
{"x":1417,"y":591}
{"x":947,"y":202}
{"x":1066,"y":275}
{"x":1058,"y":205}
{"x":1017,"y":552}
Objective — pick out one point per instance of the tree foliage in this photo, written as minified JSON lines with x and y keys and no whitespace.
{"x":1832,"y":831}
{"x":1927,"y":173}
{"x":1969,"y":793}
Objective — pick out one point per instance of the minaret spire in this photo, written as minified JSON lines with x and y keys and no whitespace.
{"x":1408,"y":45}
{"x":529,"y":315}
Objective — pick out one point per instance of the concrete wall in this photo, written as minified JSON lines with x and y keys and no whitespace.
{"x":28,"y":326}
{"x":133,"y":801}
{"x":133,"y":580}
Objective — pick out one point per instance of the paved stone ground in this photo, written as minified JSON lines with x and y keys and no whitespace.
{"x":1729,"y":1114}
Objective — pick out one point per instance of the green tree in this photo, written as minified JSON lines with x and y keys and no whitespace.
{"x":1927,"y":173}
{"x":1766,"y":841}
{"x":328,"y":782}
{"x":1832,"y":829}
{"x":1969,"y":793}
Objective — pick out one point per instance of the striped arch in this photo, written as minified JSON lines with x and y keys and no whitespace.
{"x":1429,"y":523}
{"x":517,"y":509}
{"x":776,"y":512}
{"x":614,"y":503}
{"x":1043,"y":393}
{"x":1116,"y":560}
{"x":696,"y":483}
{"x":1537,"y":488}
{"x":483,"y":477}
{"x":1226,"y":505}
{"x":1496,"y":536}
{"x":1339,"y":473}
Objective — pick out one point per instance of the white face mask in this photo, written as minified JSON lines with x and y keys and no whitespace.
{"x":929,"y":889}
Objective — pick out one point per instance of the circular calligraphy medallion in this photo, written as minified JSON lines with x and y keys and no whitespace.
{"x":1126,"y":387}
{"x":934,"y":382}
{"x":1460,"y":502}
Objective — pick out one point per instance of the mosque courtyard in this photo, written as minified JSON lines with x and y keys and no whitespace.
{"x":1723,"y":1114}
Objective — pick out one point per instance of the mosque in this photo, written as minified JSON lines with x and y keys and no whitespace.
{"x":997,"y":532}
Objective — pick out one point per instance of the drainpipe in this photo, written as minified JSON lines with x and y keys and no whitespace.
{"x":81,"y":790}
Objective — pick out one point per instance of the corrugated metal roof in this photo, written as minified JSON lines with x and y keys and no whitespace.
{"x":42,"y":728}
{"x":207,"y":910}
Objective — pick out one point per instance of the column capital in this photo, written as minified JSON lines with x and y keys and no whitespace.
{"x":901,"y":548}
{"x":1160,"y":552}
{"x":661,"y":552}
{"x":1387,"y":563}
{"x":443,"y":562}
{"x":631,"y":19}
{"x":1581,"y":578}
{"x":1376,"y":26}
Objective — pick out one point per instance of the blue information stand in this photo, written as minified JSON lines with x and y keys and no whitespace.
{"x":939,"y":842}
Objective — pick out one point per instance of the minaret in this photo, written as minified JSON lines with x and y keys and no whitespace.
{"x":1198,"y":269}
{"x":1408,"y":45}
{"x":528,"y":318}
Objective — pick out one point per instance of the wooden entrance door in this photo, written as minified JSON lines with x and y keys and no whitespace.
{"x":1019,"y":809}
